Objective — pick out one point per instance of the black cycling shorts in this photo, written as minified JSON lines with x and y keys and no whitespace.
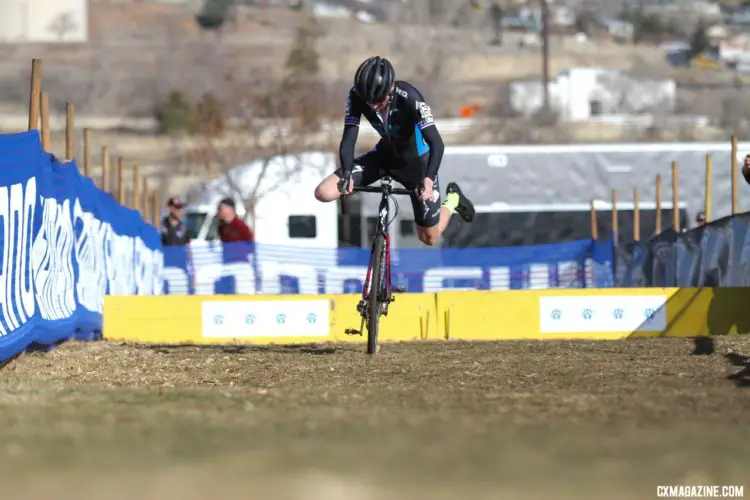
{"x":378,"y":163}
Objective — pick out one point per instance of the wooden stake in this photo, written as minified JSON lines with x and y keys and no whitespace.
{"x":87,"y":152}
{"x":70,"y":148}
{"x":155,"y":208}
{"x":34,"y":95}
{"x":145,"y":199}
{"x":120,"y":181}
{"x":735,"y":207}
{"x":46,"y":141}
{"x":707,"y":187}
{"x":105,"y":169}
{"x":675,"y":197}
{"x":615,"y":222}
{"x":636,"y":216}
{"x":136,"y":189}
{"x":658,"y":203}
{"x":594,"y":225}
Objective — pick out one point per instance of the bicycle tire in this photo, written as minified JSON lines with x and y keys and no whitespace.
{"x":373,"y":302}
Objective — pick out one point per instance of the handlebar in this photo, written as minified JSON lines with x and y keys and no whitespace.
{"x":382,"y":189}
{"x":385,"y":188}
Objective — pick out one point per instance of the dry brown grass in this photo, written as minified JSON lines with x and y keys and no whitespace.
{"x":457,"y":420}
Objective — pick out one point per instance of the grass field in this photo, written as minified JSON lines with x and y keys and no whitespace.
{"x":539,"y":420}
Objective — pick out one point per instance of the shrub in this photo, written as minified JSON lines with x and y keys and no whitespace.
{"x":174,"y":115}
{"x":207,"y":117}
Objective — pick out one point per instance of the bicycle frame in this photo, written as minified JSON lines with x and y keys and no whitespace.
{"x":386,"y":190}
{"x":380,"y":228}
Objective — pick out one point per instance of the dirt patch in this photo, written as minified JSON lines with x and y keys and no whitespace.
{"x":434,"y":420}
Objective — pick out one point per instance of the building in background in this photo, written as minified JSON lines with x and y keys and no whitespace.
{"x":584,"y":94}
{"x":46,"y":21}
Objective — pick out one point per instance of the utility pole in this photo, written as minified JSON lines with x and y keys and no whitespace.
{"x":545,"y":53}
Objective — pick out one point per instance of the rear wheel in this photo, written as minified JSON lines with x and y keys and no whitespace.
{"x":374,"y":303}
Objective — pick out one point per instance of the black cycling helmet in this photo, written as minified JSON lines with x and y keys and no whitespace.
{"x":374,"y":78}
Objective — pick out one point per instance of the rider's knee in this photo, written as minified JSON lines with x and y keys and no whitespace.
{"x":429,"y":238}
{"x":328,"y":190}
{"x":321,"y":193}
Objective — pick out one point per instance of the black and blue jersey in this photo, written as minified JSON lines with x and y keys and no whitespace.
{"x":408,"y":131}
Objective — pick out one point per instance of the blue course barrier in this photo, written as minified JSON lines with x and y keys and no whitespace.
{"x":65,"y":244}
{"x":207,"y":269}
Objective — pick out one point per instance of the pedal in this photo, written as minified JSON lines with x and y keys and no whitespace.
{"x":400,"y":289}
{"x":352,"y":331}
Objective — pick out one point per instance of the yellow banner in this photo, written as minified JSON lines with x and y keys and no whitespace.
{"x":611,"y":313}
{"x":261,"y":319}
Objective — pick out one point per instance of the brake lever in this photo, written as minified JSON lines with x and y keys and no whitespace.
{"x":344,"y":184}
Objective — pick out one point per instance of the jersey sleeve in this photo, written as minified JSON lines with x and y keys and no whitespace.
{"x":423,"y":114}
{"x":353,"y":111}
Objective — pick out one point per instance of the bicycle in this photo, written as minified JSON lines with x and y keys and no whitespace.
{"x":377,"y":298}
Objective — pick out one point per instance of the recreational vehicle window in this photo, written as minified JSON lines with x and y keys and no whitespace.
{"x":369,"y":229}
{"x":213,"y":229}
{"x":407,"y":227}
{"x":194,"y":222}
{"x":350,"y":230}
{"x":303,"y":226}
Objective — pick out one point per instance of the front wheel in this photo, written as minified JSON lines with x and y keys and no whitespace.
{"x":374,"y":303}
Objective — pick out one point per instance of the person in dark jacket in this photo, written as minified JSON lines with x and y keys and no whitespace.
{"x":231,"y":227}
{"x":173,"y":228}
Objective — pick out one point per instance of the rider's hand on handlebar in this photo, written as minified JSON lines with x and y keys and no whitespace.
{"x":425,"y":189}
{"x":346,"y":184}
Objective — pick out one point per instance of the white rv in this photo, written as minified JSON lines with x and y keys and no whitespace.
{"x":510,"y":185}
{"x":286,"y":211}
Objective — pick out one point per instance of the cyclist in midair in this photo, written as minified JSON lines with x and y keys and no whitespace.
{"x":410,"y":149}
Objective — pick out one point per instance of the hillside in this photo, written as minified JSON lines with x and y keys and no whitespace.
{"x":139,"y":52}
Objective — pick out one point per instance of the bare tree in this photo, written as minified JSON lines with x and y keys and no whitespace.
{"x":251,"y":124}
{"x":440,"y":12}
{"x":262,"y":149}
{"x":62,"y":25}
{"x":431,"y":71}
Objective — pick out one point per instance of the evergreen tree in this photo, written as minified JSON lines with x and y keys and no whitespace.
{"x":699,"y":41}
{"x":207,"y":116}
{"x":644,"y":24}
{"x":214,"y":14}
{"x":497,"y":14}
{"x":302,"y":82}
{"x":303,"y":60}
{"x":174,"y":114}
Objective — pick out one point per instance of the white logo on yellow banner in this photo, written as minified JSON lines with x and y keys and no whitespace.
{"x":602,"y":313}
{"x":265,"y":318}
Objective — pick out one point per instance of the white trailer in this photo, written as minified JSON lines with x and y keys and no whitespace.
{"x":286,"y":212}
{"x":499,"y":178}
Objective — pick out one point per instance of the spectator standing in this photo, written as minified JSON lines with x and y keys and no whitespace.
{"x":700,"y":219}
{"x":173,"y":228}
{"x":233,"y":230}
{"x":231,"y":227}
